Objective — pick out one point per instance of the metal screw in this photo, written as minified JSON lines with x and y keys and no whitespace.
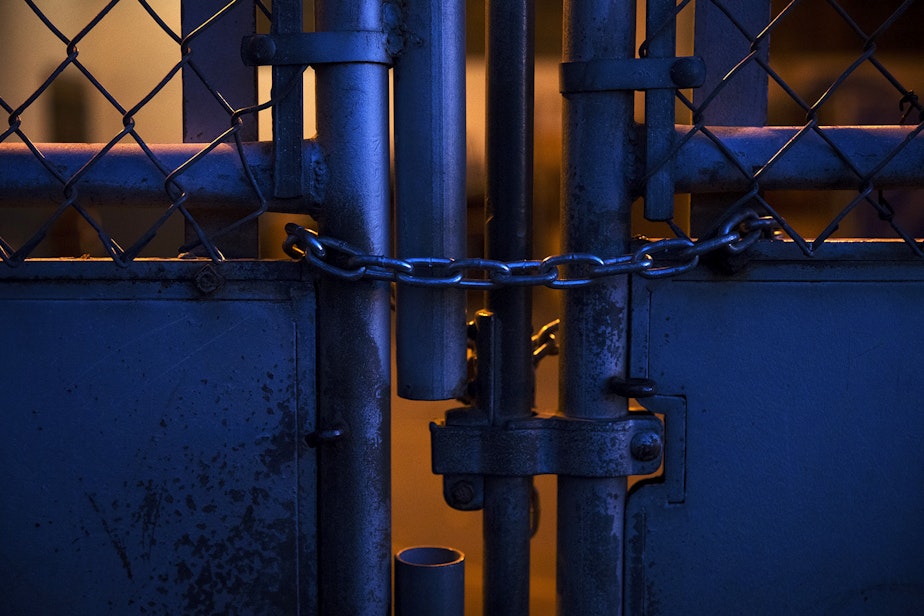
{"x":645,"y":446}
{"x":462,"y":492}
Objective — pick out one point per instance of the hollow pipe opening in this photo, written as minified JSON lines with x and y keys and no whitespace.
{"x":429,"y":581}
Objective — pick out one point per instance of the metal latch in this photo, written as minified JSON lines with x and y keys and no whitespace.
{"x":473,"y":443}
{"x":465,"y":448}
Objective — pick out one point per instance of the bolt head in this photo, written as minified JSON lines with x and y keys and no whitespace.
{"x":462,"y":492}
{"x":646,"y":446}
{"x":688,"y":72}
{"x":262,"y":49}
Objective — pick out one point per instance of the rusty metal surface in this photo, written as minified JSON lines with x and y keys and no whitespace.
{"x":430,"y":199}
{"x":548,"y":444}
{"x":152,"y":441}
{"x":354,"y":333}
{"x":596,"y":202}
{"x":288,"y":113}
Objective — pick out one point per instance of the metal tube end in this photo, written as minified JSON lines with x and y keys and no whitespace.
{"x":429,"y":581}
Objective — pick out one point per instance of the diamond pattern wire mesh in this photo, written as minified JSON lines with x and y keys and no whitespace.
{"x":865,"y":60}
{"x":815,"y":108}
{"x":176,"y":198}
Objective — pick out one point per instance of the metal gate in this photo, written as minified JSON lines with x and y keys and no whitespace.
{"x":196,"y":424}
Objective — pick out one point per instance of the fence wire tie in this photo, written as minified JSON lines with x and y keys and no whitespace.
{"x":908,"y":103}
{"x":654,"y":259}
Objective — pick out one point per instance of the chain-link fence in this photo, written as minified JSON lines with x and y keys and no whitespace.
{"x":116,"y":74}
{"x":811,"y":73}
{"x":805,"y":69}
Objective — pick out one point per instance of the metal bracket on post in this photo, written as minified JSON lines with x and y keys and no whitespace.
{"x":541,"y":445}
{"x":661,"y":42}
{"x":471,"y":445}
{"x":631,"y":74}
{"x":288,"y":125}
{"x":290,"y":52}
{"x":312,"y":48}
{"x":658,"y":77}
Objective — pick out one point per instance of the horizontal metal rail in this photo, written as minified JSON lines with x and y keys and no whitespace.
{"x":888,"y":156}
{"x":126,"y":175}
{"x":846,"y":158}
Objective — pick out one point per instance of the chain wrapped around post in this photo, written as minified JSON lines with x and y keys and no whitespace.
{"x":655,"y":259}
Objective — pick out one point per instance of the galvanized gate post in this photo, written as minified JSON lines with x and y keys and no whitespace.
{"x":508,"y":231}
{"x":353,"y":330}
{"x":597,"y":162}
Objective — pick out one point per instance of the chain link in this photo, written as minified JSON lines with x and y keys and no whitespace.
{"x":656,"y":259}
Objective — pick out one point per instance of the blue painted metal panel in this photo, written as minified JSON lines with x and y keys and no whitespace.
{"x":793,"y":461}
{"x":152,"y":440}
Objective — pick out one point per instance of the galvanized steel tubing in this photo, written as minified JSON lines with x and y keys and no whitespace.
{"x":598,"y":152}
{"x":430,"y":196}
{"x":429,"y":581}
{"x":508,"y":228}
{"x":354,"y":369}
{"x":126,"y":177}
{"x":887,"y":155}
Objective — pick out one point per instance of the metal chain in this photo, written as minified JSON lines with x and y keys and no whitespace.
{"x":656,"y":259}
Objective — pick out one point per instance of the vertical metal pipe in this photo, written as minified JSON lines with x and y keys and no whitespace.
{"x":597,"y":157}
{"x":288,"y":121}
{"x":508,"y":229}
{"x":430,"y":195}
{"x":506,"y":545}
{"x":354,"y":477}
{"x":659,"y":114}
{"x":429,"y":581}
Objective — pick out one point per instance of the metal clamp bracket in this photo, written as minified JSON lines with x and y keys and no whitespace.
{"x":632,"y":74}
{"x":312,"y":48}
{"x":465,"y":448}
